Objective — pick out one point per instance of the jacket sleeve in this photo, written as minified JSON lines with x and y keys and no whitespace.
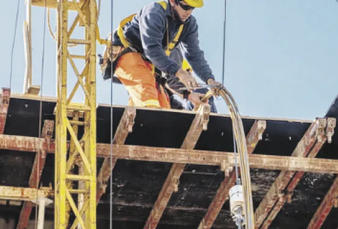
{"x":152,"y":24}
{"x":193,"y":53}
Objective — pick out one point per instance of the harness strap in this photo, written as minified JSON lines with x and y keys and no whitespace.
{"x":173,"y":43}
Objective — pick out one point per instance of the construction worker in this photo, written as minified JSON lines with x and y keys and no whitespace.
{"x":148,"y":37}
{"x":184,"y":99}
{"x":179,"y":99}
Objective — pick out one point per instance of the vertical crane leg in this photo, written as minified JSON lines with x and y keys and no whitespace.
{"x":85,"y":148}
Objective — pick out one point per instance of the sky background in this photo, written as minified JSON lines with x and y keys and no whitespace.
{"x":281,"y":56}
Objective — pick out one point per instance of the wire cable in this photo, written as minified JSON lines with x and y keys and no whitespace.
{"x":235,"y":152}
{"x":224,"y":29}
{"x":111,"y":120}
{"x":39,"y":152}
{"x":13,"y":44}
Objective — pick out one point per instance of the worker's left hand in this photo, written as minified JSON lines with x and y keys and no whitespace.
{"x":215,"y":90}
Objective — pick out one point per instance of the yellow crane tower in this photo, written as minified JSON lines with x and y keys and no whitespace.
{"x":70,"y":116}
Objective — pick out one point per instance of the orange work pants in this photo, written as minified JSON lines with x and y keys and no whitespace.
{"x":137,"y":76}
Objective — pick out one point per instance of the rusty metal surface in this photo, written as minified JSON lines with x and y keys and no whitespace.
{"x":39,"y":164}
{"x":325,"y":207}
{"x":136,"y":183}
{"x":23,"y":194}
{"x":276,"y":190}
{"x":124,"y":128}
{"x":171,"y":184}
{"x":324,"y":131}
{"x":184,"y":156}
{"x":222,"y":195}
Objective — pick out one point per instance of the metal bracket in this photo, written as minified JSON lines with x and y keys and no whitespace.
{"x":261,"y":127}
{"x":226,"y":168}
{"x":47,"y":134}
{"x":175,"y":183}
{"x":205,"y":112}
{"x":47,"y":130}
{"x":335,"y":201}
{"x":331,"y":124}
{"x":4,"y":99}
{"x":4,"y":104}
{"x":320,"y":133}
{"x":282,"y":197}
{"x":288,"y":196}
{"x":131,"y":118}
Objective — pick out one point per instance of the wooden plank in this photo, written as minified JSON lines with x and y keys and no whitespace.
{"x":276,"y":191}
{"x":124,"y":128}
{"x":171,"y":184}
{"x":222,"y":195}
{"x":4,"y":103}
{"x":34,"y":180}
{"x":182,"y":156}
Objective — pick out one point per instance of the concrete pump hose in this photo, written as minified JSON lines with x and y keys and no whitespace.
{"x":243,"y":155}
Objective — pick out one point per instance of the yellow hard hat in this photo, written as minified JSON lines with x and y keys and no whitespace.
{"x":194,"y":3}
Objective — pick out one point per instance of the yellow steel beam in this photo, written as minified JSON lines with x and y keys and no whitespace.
{"x":72,"y":151}
{"x":84,"y":151}
{"x":52,"y":4}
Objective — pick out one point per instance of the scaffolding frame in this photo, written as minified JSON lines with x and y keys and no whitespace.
{"x":83,"y":150}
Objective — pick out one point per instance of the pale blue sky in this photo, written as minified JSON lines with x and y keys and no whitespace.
{"x":281,"y":55}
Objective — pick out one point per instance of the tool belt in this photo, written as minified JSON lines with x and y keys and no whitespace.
{"x":108,"y":69}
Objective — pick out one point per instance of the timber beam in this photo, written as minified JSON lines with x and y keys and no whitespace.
{"x":281,"y":190}
{"x":222,"y":195}
{"x":124,"y":128}
{"x":171,"y":184}
{"x":34,"y":180}
{"x":24,"y":194}
{"x":183,"y":156}
{"x":4,"y":103}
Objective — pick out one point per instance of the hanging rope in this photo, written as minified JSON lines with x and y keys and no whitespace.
{"x":39,"y":152}
{"x":111,"y":120}
{"x":13,"y":44}
{"x":224,"y":29}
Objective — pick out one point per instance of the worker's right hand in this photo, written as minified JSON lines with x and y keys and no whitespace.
{"x":195,"y":98}
{"x":186,"y":78}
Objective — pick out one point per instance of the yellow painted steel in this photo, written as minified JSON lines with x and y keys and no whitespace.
{"x":83,"y":152}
